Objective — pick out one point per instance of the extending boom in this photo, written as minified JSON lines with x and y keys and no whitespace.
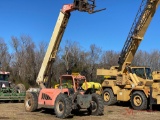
{"x":80,"y":5}
{"x":143,"y":18}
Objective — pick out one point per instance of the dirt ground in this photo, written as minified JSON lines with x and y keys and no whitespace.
{"x":15,"y":111}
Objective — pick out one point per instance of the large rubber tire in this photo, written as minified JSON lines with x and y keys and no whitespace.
{"x":63,"y":106}
{"x":20,"y":88}
{"x":31,"y":102}
{"x":108,"y":97}
{"x":97,"y":105}
{"x":139,"y":101}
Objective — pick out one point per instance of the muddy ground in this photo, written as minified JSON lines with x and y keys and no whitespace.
{"x":15,"y":111}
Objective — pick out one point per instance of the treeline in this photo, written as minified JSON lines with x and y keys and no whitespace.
{"x":24,"y":59}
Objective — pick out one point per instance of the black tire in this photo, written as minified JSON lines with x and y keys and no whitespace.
{"x":31,"y":102}
{"x":108,"y":97}
{"x":139,"y":101}
{"x":97,"y":105}
{"x":63,"y":106}
{"x":20,"y":88}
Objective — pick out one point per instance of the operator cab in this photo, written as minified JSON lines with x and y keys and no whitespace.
{"x":66,"y":82}
{"x":72,"y":82}
{"x":142,"y":72}
{"x":4,"y":79}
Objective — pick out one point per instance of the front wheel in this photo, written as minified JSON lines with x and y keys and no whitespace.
{"x":20,"y":88}
{"x":109,"y":97}
{"x":63,"y":106}
{"x":97,"y":105}
{"x":31,"y":102}
{"x":139,"y":100}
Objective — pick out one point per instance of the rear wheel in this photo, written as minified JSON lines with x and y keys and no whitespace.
{"x":97,"y":105}
{"x":63,"y":106}
{"x":31,"y":102}
{"x":19,"y":88}
{"x":109,"y":97}
{"x":139,"y":100}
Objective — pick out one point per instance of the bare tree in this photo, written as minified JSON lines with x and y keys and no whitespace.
{"x":143,"y":58}
{"x":26,"y":59}
{"x":93,"y":59}
{"x":71,"y":56}
{"x":23,"y":63}
{"x":39,"y":56}
{"x":108,"y":59}
{"x":154,"y":60}
{"x":5,"y":57}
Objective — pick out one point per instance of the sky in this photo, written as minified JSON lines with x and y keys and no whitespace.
{"x":107,"y":29}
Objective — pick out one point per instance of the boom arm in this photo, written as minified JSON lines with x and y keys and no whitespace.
{"x":52,"y":48}
{"x":80,"y":5}
{"x":138,"y":29}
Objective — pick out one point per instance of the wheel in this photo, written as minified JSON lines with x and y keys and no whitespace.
{"x":97,"y":105}
{"x":139,"y":100}
{"x":63,"y":106}
{"x":20,"y":88}
{"x":109,"y":97}
{"x":31,"y":102}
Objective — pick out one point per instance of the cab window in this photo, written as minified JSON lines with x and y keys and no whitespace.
{"x":4,"y":77}
{"x":139,"y":72}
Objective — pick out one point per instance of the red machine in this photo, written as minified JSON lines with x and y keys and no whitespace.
{"x":62,"y":99}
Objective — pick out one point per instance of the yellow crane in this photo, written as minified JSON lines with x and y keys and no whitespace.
{"x":128,"y":83}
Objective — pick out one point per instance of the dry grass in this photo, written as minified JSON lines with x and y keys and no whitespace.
{"x":15,"y":111}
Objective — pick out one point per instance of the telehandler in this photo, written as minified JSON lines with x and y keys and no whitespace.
{"x":63,"y":100}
